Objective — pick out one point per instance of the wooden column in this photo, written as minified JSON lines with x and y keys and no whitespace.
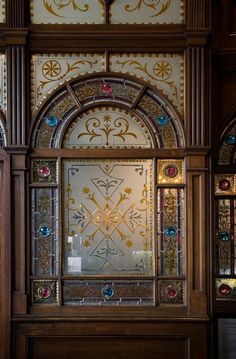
{"x":197,"y":230}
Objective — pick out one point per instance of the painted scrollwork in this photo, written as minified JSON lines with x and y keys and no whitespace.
{"x":158,"y":6}
{"x":55,"y":6}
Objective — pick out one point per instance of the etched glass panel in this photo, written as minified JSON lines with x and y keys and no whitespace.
{"x":147,"y":12}
{"x":107,"y":219}
{"x":44,"y":231}
{"x":107,"y":292}
{"x":170,"y":231}
{"x":67,"y":11}
{"x":107,"y":127}
{"x":226,"y":236}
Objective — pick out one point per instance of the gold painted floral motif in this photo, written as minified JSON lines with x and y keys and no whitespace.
{"x":54,"y":7}
{"x":107,"y":128}
{"x":161,"y":71}
{"x":52,"y":72}
{"x":158,"y":6}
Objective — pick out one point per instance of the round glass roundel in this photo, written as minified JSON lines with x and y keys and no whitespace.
{"x":43,"y":171}
{"x":224,"y":185}
{"x":171,"y":292}
{"x":230,"y":139}
{"x":225,"y":289}
{"x":170,"y":231}
{"x":45,"y":231}
{"x":224,"y":236}
{"x":108,"y":291}
{"x":162,"y":120}
{"x":44,"y":292}
{"x":170,"y":171}
{"x":51,"y":121}
{"x":106,"y":89}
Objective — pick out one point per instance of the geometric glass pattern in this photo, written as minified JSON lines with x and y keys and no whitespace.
{"x":67,"y":12}
{"x":107,"y":220}
{"x":44,"y":171}
{"x":44,"y":291}
{"x":225,"y":288}
{"x":227,"y":153}
{"x":108,"y":292}
{"x":147,"y":12}
{"x":225,"y":210}
{"x":107,"y":127}
{"x":170,"y":212}
{"x":123,"y":125}
{"x":170,"y":172}
{"x":171,"y":291}
{"x":225,"y":184}
{"x":44,"y":231}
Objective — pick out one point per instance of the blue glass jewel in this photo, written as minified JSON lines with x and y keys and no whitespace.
{"x":108,"y":291}
{"x":45,"y":231}
{"x":224,"y":236}
{"x":170,"y":231}
{"x":231,"y":140}
{"x":51,"y":121}
{"x":162,"y":120}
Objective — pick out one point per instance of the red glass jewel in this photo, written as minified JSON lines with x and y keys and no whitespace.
{"x":171,"y":292}
{"x":44,"y":292}
{"x":225,"y":289}
{"x":43,"y":171}
{"x":224,"y":185}
{"x":106,"y":89}
{"x":170,"y":171}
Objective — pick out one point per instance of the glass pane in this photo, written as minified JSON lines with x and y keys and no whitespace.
{"x":226,"y":288}
{"x":171,"y":291}
{"x":107,"y":219}
{"x":225,"y":235}
{"x":44,"y":292}
{"x":44,"y":171}
{"x":105,"y":292}
{"x":170,"y":231}
{"x":107,"y":127}
{"x":44,"y":231}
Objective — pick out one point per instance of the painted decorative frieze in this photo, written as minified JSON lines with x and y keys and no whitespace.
{"x":50,"y":71}
{"x":147,"y":12}
{"x":3,"y":89}
{"x":163,"y":71}
{"x":67,"y":11}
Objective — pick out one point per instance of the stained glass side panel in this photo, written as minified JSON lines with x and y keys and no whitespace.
{"x":225,"y":288}
{"x":44,"y":291}
{"x":107,"y":219}
{"x":107,"y":292}
{"x":44,"y":231}
{"x":170,"y":231}
{"x":226,"y":236}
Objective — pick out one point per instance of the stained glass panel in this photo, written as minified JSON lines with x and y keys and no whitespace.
{"x":107,"y":292}
{"x":225,"y":184}
{"x":44,"y":231}
{"x":44,"y":171}
{"x":171,"y":291}
{"x":107,"y":127}
{"x":170,"y":206}
{"x":107,"y":219}
{"x":226,"y":288}
{"x":170,"y":172}
{"x":226,"y":236}
{"x":44,"y":291}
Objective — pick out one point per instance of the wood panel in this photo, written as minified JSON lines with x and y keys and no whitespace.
{"x":120,"y":339}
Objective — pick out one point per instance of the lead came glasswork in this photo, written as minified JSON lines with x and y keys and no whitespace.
{"x":170,"y":231}
{"x":107,"y":220}
{"x":225,"y":217}
{"x":225,"y":289}
{"x":162,"y":120}
{"x":44,"y":291}
{"x":230,"y":139}
{"x":51,"y":121}
{"x":44,"y":231}
{"x":116,"y":293}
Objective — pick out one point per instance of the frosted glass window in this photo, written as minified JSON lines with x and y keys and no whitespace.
{"x":107,"y":219}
